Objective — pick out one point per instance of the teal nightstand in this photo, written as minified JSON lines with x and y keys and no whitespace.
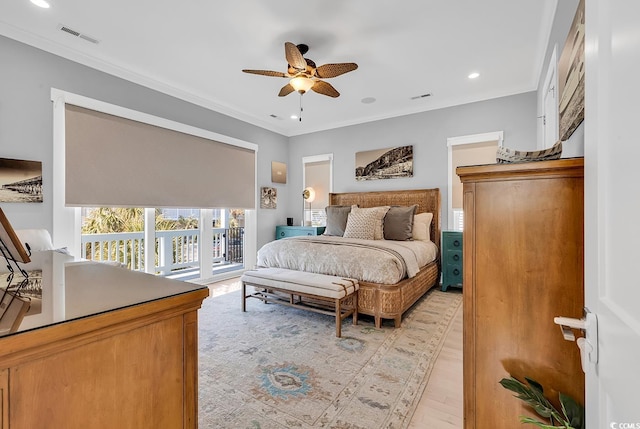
{"x":283,"y":231}
{"x":451,"y":259}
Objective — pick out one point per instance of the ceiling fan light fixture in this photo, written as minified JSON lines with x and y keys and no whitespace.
{"x":301,"y":84}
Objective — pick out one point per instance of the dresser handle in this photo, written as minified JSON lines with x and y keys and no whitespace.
{"x":456,"y":243}
{"x":456,"y":271}
{"x":456,"y":257}
{"x":281,"y":233}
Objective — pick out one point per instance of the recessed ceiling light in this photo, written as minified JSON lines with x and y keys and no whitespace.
{"x":41,"y":3}
{"x":368,"y":100}
{"x":294,"y":116}
{"x":473,"y":75}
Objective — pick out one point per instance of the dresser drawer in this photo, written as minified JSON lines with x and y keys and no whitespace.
{"x":454,"y":274}
{"x":452,"y":240}
{"x":453,"y":257}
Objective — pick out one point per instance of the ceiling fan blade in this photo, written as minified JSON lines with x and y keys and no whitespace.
{"x":325,"y":88}
{"x":333,"y":70}
{"x":294,"y":57}
{"x":286,"y":90}
{"x":267,"y":73}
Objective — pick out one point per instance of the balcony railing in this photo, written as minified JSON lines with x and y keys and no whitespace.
{"x":174,"y":250}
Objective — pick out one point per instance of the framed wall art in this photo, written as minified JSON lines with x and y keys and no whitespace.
{"x":389,"y":163}
{"x":20,"y":181}
{"x":571,"y":77}
{"x":268,"y":198}
{"x":278,"y":172}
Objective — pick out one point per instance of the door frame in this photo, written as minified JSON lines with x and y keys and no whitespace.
{"x":550,"y":84}
{"x":460,"y":140}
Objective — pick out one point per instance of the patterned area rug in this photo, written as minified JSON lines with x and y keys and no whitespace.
{"x":280,"y":367}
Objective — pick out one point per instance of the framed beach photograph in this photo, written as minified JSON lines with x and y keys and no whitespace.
{"x":389,"y":163}
{"x":571,"y":76}
{"x":20,"y":181}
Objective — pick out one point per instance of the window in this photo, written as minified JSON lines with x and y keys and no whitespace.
{"x":67,"y":216}
{"x":317,"y":174}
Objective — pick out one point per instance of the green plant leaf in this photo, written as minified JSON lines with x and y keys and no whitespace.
{"x":535,"y":385}
{"x":573,"y":411}
{"x":532,"y":396}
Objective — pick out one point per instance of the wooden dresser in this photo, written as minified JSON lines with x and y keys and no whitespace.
{"x":523,"y":265}
{"x":105,"y":348}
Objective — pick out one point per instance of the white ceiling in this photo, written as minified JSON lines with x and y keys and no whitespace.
{"x":196,"y":49}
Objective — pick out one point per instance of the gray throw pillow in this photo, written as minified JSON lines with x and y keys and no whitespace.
{"x":336,"y":220}
{"x":398,"y":223}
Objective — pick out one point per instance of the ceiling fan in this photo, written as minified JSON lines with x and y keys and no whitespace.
{"x":303,"y":73}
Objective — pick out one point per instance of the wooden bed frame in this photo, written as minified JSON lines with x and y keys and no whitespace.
{"x":391,"y":301}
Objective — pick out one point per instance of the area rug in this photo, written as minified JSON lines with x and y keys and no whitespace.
{"x":280,"y":367}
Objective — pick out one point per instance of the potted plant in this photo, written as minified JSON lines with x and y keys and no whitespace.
{"x":570,"y":417}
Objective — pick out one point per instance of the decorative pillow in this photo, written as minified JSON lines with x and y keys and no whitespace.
{"x":336,"y":220}
{"x":361,"y":224}
{"x":379,"y":213}
{"x":422,"y":226}
{"x":398,"y":223}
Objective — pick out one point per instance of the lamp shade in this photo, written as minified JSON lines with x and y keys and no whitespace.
{"x":301,"y":83}
{"x":309,"y":194}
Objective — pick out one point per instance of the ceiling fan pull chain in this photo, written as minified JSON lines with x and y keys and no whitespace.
{"x":300,"y":117}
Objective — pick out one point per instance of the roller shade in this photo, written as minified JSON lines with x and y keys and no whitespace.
{"x":118,"y":162}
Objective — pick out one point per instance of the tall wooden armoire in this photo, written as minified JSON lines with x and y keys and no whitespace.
{"x":523,"y":266}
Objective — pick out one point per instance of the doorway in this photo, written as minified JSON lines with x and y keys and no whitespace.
{"x":475,"y":149}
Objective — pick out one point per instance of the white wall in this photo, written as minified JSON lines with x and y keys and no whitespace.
{"x":426,"y":131}
{"x":27,"y":75}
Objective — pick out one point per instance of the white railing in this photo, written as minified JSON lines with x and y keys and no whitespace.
{"x":174,"y":250}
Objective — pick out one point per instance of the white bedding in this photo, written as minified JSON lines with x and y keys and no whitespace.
{"x":375,"y":261}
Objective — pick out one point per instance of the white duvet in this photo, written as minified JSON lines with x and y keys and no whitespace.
{"x":375,"y":261}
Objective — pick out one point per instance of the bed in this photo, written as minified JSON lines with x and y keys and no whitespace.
{"x":390,"y":298}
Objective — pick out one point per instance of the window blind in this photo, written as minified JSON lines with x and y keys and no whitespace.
{"x":118,"y":162}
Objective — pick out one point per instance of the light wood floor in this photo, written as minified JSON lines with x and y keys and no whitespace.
{"x":441,"y":404}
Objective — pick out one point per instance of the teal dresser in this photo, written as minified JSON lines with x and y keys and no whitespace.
{"x":451,"y":259}
{"x":283,"y":231}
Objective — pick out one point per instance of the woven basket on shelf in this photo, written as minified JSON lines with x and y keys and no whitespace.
{"x":505,"y":155}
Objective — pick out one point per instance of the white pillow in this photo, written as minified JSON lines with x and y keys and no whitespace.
{"x":361,"y":225}
{"x":422,"y":226}
{"x":38,"y":239}
{"x":378,"y":213}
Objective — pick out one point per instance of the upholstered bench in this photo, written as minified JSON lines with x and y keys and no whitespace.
{"x":309,"y":291}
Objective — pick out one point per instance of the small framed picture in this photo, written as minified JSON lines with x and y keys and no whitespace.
{"x":268,"y":198}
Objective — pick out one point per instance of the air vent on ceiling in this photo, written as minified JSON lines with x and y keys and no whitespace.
{"x":276,"y":117}
{"x":78,"y":34}
{"x":421,"y":96}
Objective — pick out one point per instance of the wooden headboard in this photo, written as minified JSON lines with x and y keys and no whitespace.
{"x":428,"y":200}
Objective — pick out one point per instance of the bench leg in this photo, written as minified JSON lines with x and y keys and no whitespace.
{"x":244,"y":297}
{"x":338,"y":319}
{"x":355,"y":308}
